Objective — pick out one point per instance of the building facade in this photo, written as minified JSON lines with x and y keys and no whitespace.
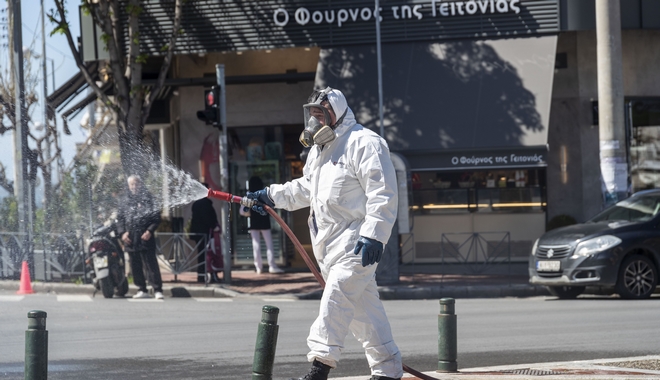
{"x":489,"y":105}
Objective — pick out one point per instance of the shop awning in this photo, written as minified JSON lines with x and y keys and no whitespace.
{"x":451,"y":99}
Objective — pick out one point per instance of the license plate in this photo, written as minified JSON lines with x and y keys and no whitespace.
{"x":548,"y":266}
{"x":100,"y":262}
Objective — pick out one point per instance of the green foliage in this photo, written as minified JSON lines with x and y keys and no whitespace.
{"x":105,"y":38}
{"x":562,"y":220}
{"x":61,"y":28}
{"x":133,"y":10}
{"x":135,"y":38}
{"x":142,"y":58}
{"x":9,"y":214}
{"x":86,"y":8}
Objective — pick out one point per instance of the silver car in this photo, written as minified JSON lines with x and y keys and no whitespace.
{"x":617,"y":250}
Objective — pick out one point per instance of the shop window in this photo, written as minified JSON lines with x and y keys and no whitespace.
{"x":644,"y":144}
{"x":515,"y":190}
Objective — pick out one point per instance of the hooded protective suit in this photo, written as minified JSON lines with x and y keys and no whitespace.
{"x":351,"y":189}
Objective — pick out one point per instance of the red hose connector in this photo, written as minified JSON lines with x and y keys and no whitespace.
{"x":231,"y":198}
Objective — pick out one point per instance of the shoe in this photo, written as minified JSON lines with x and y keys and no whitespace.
{"x":141,"y":294}
{"x":319,"y":371}
{"x":275,"y":270}
{"x":374,"y":377}
{"x":159,"y":295}
{"x":258,"y":270}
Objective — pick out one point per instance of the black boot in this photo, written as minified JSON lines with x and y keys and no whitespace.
{"x":374,"y":377}
{"x":319,"y":371}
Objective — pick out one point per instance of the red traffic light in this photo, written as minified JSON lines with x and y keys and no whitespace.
{"x":210,"y":98}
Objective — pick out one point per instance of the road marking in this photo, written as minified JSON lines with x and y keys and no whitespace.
{"x":74,"y":298}
{"x":278,"y":299}
{"x":11,"y":298}
{"x":144,"y":300}
{"x":213,"y":299}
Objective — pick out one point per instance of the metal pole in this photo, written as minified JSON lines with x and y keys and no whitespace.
{"x":611,"y":127}
{"x":380,"y":72}
{"x":45,"y":73}
{"x":224,"y":172}
{"x":264,"y":350}
{"x":36,"y":346}
{"x":447,"y":336}
{"x":20,"y":116}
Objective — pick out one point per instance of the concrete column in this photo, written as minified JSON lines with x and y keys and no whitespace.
{"x":613,"y":149}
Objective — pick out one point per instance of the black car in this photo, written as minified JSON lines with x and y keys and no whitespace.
{"x":618,"y":249}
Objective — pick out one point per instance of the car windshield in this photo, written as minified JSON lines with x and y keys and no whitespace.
{"x":634,"y":209}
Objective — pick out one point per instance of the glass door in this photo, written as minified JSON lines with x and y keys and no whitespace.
{"x":644,"y":134}
{"x":241,"y":172}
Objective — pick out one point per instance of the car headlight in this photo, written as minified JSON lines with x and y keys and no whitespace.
{"x":595,"y":245}
{"x":536,"y":245}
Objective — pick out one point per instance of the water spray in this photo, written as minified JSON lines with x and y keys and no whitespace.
{"x":247,"y":202}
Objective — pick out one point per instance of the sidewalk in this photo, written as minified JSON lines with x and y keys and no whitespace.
{"x":645,"y":367}
{"x":303,"y":285}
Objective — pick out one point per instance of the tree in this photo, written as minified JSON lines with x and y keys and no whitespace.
{"x":42,"y":138}
{"x":132,"y":101}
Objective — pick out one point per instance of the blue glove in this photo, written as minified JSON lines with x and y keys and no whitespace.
{"x":263,"y":198}
{"x":371,"y":250}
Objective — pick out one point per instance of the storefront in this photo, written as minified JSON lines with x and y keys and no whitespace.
{"x":466,"y":86}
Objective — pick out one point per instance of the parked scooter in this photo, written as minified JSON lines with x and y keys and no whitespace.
{"x":107,"y":259}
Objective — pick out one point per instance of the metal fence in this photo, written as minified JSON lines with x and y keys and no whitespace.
{"x":177,"y":251}
{"x":476,"y":253}
{"x":52,"y":257}
{"x":61,"y":257}
{"x":467,"y":253}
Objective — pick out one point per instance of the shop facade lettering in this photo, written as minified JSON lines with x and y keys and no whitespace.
{"x":434,"y":8}
{"x":498,"y":160}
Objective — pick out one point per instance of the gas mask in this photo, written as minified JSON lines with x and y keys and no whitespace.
{"x":317,"y":131}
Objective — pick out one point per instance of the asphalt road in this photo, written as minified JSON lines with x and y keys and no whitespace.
{"x":214,"y":339}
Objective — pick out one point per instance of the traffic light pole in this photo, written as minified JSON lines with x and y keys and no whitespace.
{"x":224,"y":173}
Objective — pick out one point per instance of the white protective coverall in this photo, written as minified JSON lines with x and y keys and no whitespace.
{"x":350,"y":186}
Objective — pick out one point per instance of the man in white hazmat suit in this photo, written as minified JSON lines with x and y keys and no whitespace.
{"x":350,"y":185}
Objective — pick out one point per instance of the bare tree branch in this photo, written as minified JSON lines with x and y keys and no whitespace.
{"x":108,"y":20}
{"x":63,"y":24}
{"x":164,"y":68}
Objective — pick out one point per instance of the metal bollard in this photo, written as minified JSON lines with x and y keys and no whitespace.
{"x":447,"y":336}
{"x":36,"y":346}
{"x":264,"y":350}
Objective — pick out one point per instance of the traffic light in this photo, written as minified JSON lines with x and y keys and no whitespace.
{"x":211,"y":113}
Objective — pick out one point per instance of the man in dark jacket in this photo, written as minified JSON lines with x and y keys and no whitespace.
{"x":138,"y":219}
{"x":203,"y":220}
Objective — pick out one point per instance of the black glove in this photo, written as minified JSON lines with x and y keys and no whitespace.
{"x":371,"y":250}
{"x":263,"y":198}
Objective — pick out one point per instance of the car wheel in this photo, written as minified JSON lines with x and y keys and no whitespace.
{"x":638,"y":277}
{"x":566,"y":292}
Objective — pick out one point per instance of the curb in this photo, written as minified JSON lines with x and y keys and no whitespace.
{"x":466,"y":291}
{"x":386,"y":292}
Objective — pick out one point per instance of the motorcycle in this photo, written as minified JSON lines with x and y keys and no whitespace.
{"x":107,"y":259}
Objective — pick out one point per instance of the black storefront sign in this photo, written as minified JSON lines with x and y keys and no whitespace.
{"x":524,"y":157}
{"x":214,"y":25}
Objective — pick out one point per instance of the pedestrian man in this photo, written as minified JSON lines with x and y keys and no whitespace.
{"x":137,"y":221}
{"x":203,"y":221}
{"x":350,"y":185}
